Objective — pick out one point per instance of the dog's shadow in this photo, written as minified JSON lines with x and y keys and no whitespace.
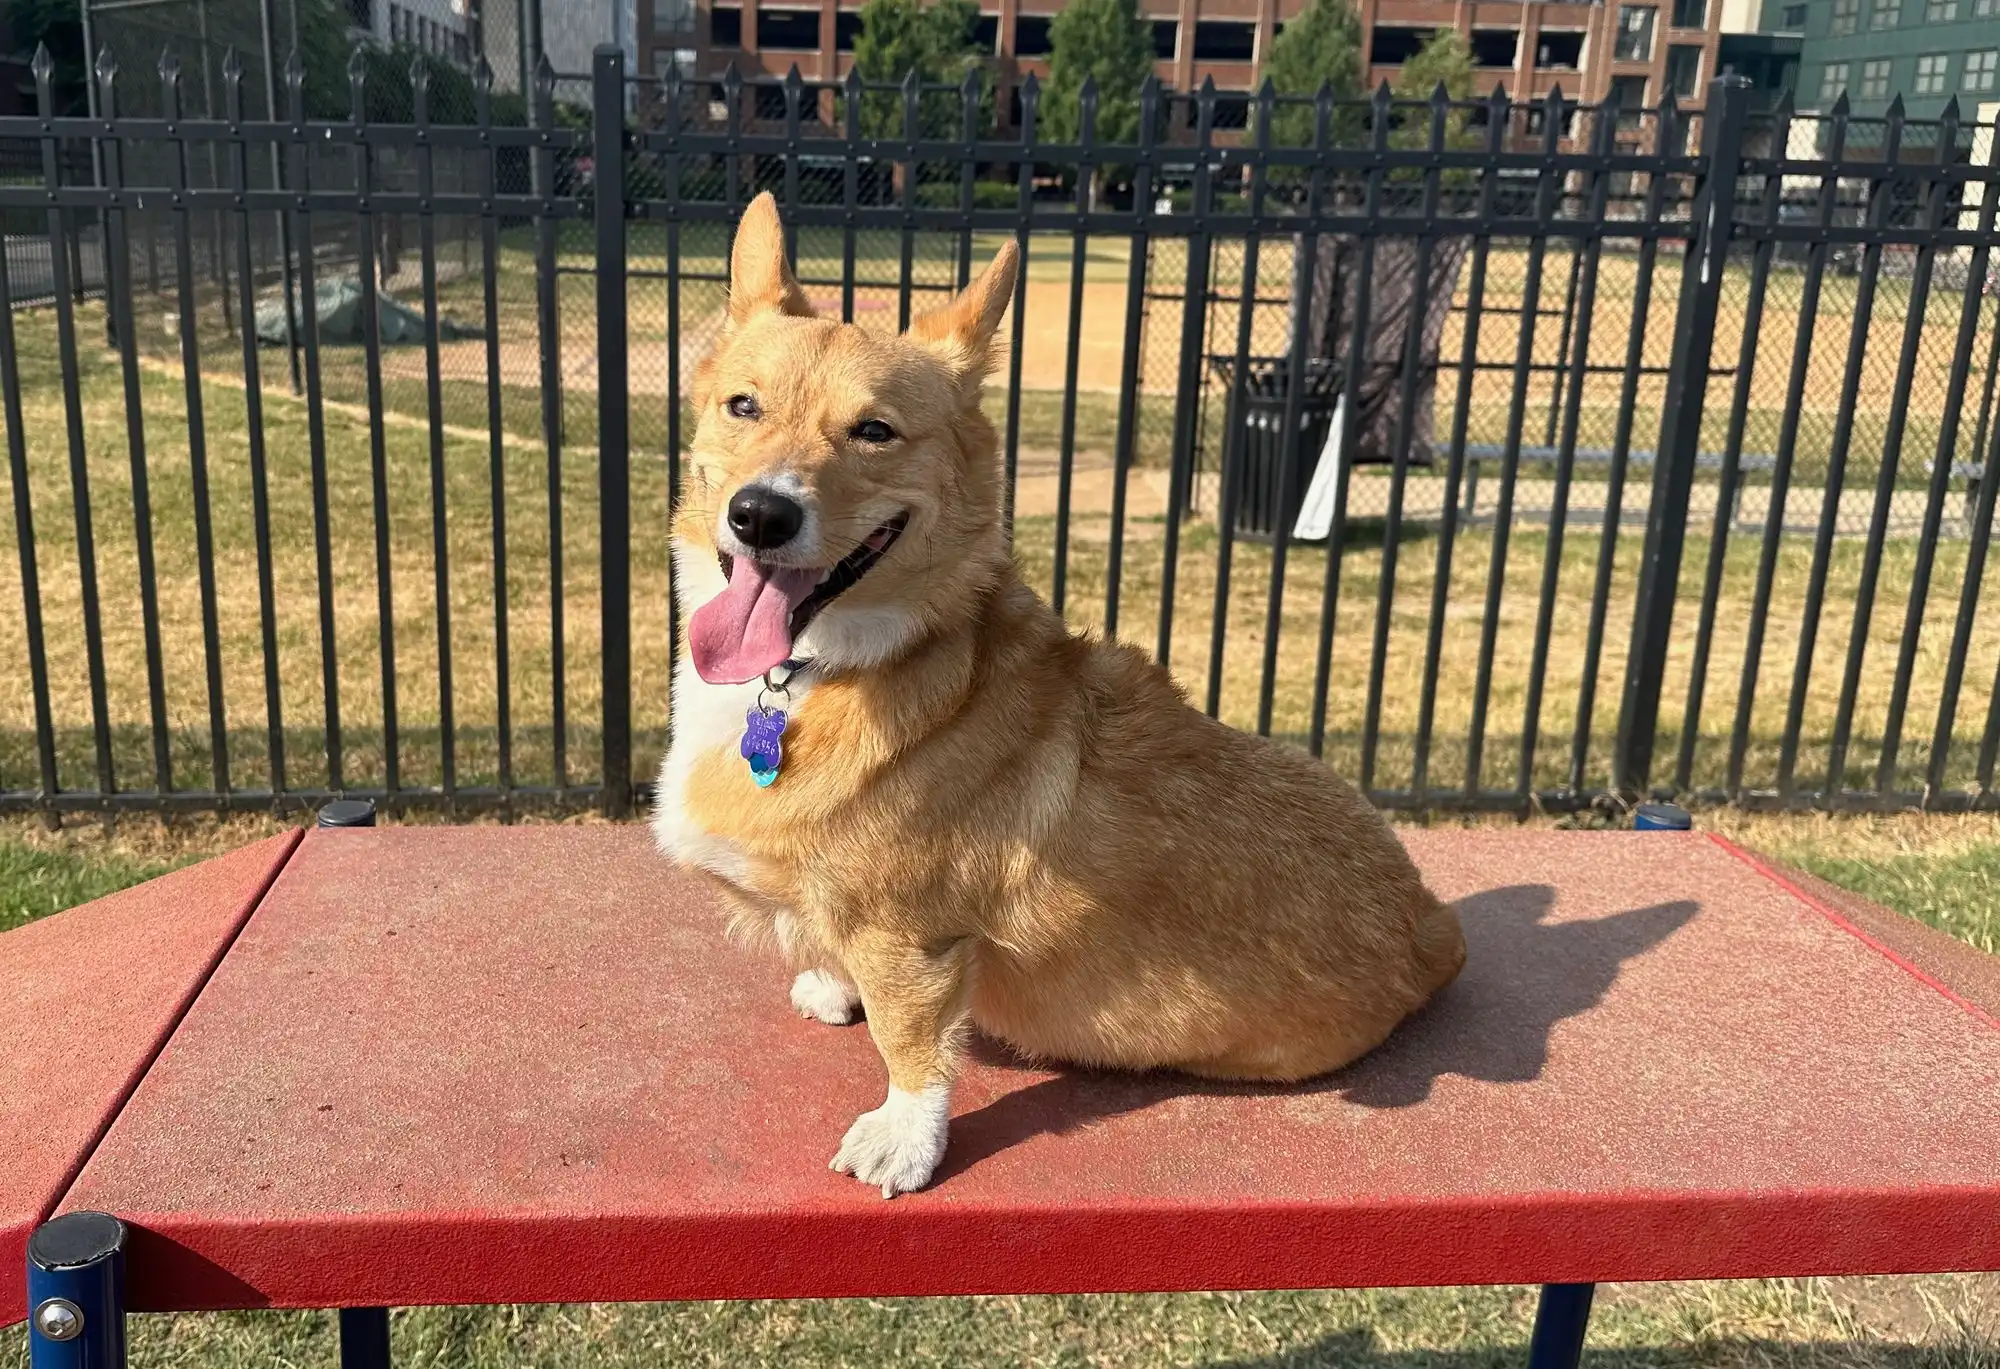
{"x":1522,"y":976}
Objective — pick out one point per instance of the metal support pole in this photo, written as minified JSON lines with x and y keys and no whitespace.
{"x":290,"y":287}
{"x":1702,"y":273}
{"x":76,"y":1293}
{"x":1560,"y":1322}
{"x":614,"y":482}
{"x":364,"y":1331}
{"x":364,"y":1335}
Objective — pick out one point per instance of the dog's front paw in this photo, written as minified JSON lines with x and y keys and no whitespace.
{"x":900,"y":1143}
{"x":824,"y":998}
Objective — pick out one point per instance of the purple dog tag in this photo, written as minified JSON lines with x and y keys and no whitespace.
{"x":762,"y":745}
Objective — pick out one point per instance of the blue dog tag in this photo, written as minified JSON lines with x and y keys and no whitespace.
{"x":763,"y":747}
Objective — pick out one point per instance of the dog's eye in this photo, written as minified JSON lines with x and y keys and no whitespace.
{"x":874,"y":431}
{"x":743,"y":406}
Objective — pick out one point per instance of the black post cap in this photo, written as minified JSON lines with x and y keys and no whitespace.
{"x":348,"y":813}
{"x":76,"y":1240}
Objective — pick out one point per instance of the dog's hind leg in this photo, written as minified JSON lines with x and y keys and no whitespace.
{"x":827,"y":996}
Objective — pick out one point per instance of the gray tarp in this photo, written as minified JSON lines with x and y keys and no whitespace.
{"x":337,"y":304}
{"x":1392,"y":293}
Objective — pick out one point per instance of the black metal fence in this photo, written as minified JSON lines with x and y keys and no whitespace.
{"x":1505,"y":455}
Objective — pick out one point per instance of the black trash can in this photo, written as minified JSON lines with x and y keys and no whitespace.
{"x":1256,"y":448}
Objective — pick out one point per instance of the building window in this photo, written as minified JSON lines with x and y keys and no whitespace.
{"x":1980,"y":68}
{"x":1391,"y":45}
{"x":1166,"y":39}
{"x":1940,"y":11}
{"x":788,"y":30}
{"x":1232,"y":109}
{"x":1930,"y":74}
{"x":1224,"y":41}
{"x":1875,"y":80}
{"x":1031,"y":36}
{"x":1885,"y":14}
{"x":1846,"y":17}
{"x":1560,"y":51}
{"x":1833,"y":81}
{"x":1628,"y":97}
{"x":673,"y":17}
{"x":1794,"y":18}
{"x":1690,"y":14}
{"x":1635,"y":33}
{"x":1683,"y":71}
{"x":725,"y":26}
{"x":1985,"y":9}
{"x":1495,"y":47}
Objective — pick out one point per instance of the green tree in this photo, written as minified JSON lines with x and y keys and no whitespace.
{"x":59,"y":25}
{"x":940,"y":44}
{"x":1110,"y":42}
{"x":1445,"y":60}
{"x":1322,"y":47}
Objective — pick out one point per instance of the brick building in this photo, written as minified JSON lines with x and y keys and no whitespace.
{"x":1629,"y":52}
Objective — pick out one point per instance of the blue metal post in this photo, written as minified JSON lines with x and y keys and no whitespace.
{"x":1662,"y":817}
{"x":1564,"y":1312}
{"x":1559,"y":1325}
{"x":364,"y":1338}
{"x":364,"y":1331}
{"x":76,"y":1293}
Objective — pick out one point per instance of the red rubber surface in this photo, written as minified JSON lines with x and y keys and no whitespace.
{"x":493,"y":1064}
{"x":86,"y":998}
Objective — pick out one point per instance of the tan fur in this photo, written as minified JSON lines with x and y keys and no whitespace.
{"x":992,"y":821}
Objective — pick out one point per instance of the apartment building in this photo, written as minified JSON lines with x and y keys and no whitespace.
{"x":1926,"y":51}
{"x":1628,"y":52}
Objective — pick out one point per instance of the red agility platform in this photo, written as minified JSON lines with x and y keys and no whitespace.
{"x":436,"y":1065}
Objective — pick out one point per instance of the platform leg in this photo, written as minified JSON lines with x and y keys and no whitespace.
{"x":1559,"y":1325}
{"x":76,"y":1293}
{"x":364,"y":1338}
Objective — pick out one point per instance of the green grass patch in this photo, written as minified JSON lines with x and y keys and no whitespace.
{"x":38,"y":880}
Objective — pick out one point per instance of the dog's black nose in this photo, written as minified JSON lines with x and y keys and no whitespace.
{"x":763,"y":518}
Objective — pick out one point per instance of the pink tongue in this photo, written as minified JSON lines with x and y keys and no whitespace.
{"x":747,"y":629}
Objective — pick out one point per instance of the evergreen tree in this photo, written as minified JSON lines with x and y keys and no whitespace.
{"x":1321,"y":47}
{"x":939,"y":43}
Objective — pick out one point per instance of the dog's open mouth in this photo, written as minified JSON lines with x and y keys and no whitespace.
{"x":749,"y":628}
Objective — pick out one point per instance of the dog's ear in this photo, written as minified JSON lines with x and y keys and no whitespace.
{"x":963,"y":330}
{"x":760,"y":279}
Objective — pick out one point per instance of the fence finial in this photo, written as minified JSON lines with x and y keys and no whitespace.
{"x":43,"y":65}
{"x":295,"y":72}
{"x":170,"y":68}
{"x":107,"y":66}
{"x":482,"y":74}
{"x":232,"y":65}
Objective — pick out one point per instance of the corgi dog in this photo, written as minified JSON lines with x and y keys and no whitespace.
{"x":946,"y":809}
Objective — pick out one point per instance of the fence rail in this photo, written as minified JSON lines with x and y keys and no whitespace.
{"x":1507,"y":456}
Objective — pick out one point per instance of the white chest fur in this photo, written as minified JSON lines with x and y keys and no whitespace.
{"x":706,"y":718}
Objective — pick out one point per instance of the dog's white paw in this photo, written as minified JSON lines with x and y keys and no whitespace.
{"x":820,"y":996}
{"x":898,"y":1145}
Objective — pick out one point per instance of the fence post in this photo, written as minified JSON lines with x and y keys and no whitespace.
{"x":614,"y":487}
{"x":1723,"y":123}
